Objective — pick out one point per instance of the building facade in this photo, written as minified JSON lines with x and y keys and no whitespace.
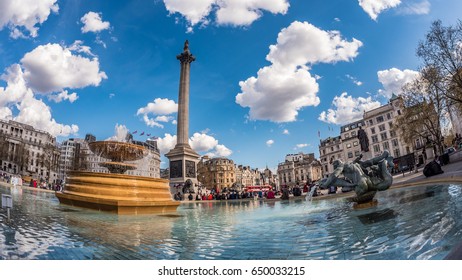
{"x":299,"y":170}
{"x":383,"y":136}
{"x":350,"y":141}
{"x":216,"y":173}
{"x":330,"y":149}
{"x":27,"y":151}
{"x":378,"y":125}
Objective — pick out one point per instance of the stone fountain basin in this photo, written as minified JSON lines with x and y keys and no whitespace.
{"x":119,"y":193}
{"x":118,"y":151}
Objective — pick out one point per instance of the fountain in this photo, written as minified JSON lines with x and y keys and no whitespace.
{"x":116,"y":191}
{"x":366,"y":177}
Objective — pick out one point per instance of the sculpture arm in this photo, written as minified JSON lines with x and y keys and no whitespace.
{"x":332,"y":177}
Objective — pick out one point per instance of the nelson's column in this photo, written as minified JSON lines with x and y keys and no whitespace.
{"x":183,"y":159}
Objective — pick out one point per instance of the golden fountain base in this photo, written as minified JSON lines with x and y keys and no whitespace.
{"x":365,"y":205}
{"x":118,"y":193}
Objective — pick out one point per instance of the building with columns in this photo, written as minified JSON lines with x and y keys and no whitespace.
{"x":299,"y":170}
{"x":27,"y":151}
{"x":378,"y":125}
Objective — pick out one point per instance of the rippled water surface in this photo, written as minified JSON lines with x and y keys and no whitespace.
{"x":413,"y":223}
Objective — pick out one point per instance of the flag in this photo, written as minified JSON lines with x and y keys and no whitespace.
{"x":142,"y":133}
{"x":149,"y":134}
{"x":134,"y":132}
{"x":319,"y":134}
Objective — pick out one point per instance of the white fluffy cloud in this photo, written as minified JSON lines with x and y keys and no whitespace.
{"x":280,"y":90}
{"x":394,"y":79}
{"x":286,"y":131}
{"x":269,"y":143}
{"x":25,"y":15}
{"x":303,"y":43}
{"x":32,"y":111}
{"x":415,"y":8}
{"x":200,"y":142}
{"x":52,"y":67}
{"x":354,"y":80}
{"x":47,"y":70}
{"x":301,"y":146}
{"x":228,"y":12}
{"x":120,"y":133}
{"x":161,"y":108}
{"x":374,"y":7}
{"x":92,"y":22}
{"x":347,"y":109}
{"x":64,"y":95}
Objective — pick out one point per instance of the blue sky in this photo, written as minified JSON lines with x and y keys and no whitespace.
{"x":268,"y":75}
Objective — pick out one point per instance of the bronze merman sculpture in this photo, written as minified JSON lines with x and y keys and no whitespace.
{"x":366,"y":177}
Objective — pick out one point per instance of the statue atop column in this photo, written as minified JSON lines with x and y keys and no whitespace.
{"x":186,"y":56}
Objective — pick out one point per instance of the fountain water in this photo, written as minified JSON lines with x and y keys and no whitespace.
{"x":116,"y":191}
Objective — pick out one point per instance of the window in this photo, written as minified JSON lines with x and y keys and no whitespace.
{"x":388,"y":116}
{"x":353,"y":133}
{"x":357,"y":153}
{"x":417,"y":143}
{"x":379,"y":119}
{"x":373,"y":130}
{"x":348,"y":145}
{"x":408,"y":150}
{"x":392,"y":133}
{"x":394,"y":142}
{"x":355,"y":143}
{"x":376,"y":148}
{"x":375,"y":139}
{"x":397,"y":154}
{"x":382,"y":127}
{"x":347,"y":135}
{"x":390,"y":124}
{"x":384,"y":136}
{"x":385,"y":145}
{"x":371,"y":122}
{"x":350,"y":154}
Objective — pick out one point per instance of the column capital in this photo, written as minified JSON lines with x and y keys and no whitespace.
{"x":186,"y":56}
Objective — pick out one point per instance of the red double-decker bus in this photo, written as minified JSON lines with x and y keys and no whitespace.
{"x":263,"y":188}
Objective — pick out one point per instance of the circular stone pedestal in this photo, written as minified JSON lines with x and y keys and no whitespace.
{"x":364,"y":201}
{"x":119,"y":193}
{"x":365,"y":205}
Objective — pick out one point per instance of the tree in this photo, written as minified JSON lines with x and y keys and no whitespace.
{"x":49,"y":159}
{"x":3,"y":148}
{"x":442,"y":50}
{"x":424,"y":114}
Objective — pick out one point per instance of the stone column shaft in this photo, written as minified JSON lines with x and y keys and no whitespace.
{"x":183,"y":105}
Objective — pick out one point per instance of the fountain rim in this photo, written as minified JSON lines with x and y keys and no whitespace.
{"x":115,"y":175}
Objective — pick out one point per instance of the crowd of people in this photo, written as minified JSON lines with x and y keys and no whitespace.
{"x":284,"y":193}
{"x":41,"y":183}
{"x":225,"y":195}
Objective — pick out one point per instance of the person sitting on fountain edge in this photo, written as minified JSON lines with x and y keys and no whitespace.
{"x":364,"y":176}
